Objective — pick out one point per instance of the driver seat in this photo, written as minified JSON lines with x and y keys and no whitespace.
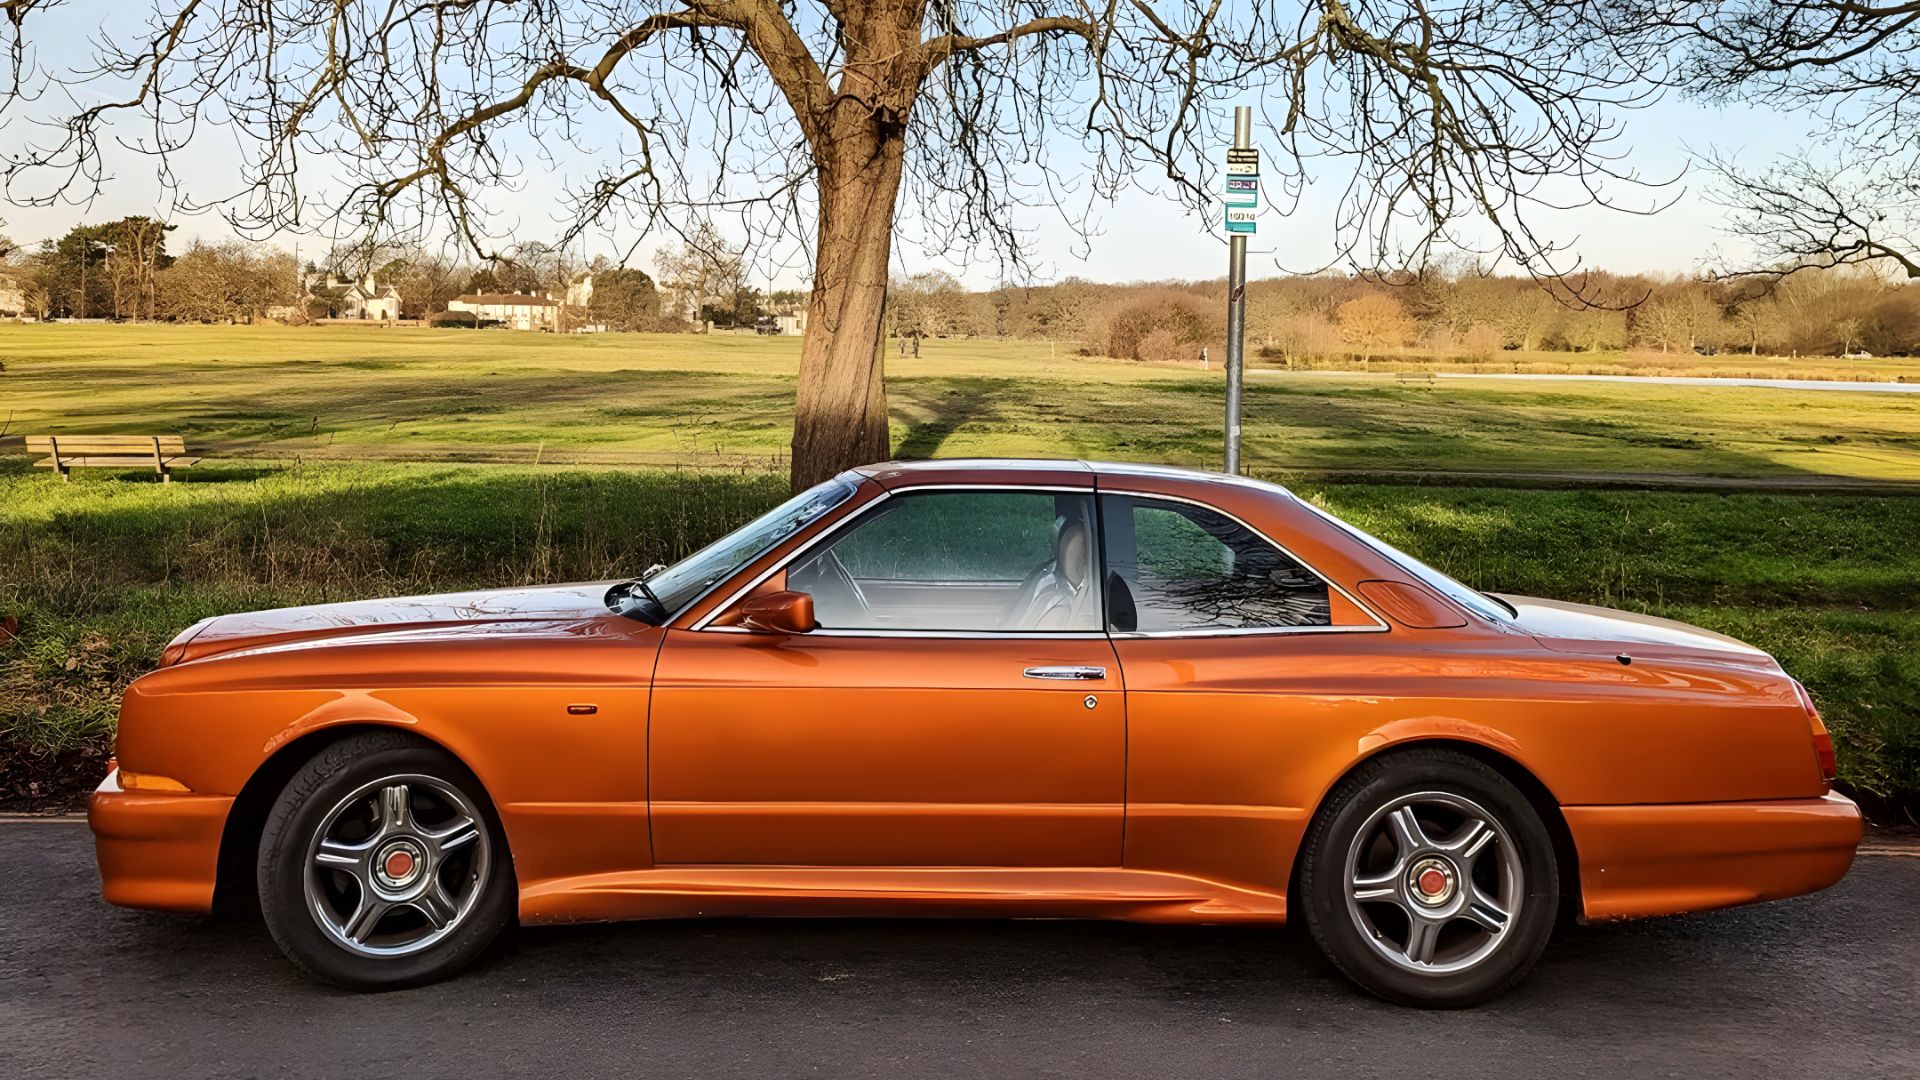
{"x":1057,"y":596}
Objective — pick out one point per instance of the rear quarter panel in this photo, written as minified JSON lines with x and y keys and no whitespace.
{"x":1233,"y":742}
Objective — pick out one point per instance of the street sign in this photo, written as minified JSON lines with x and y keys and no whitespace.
{"x":1240,"y":219}
{"x":1242,"y":191}
{"x":1243,"y":162}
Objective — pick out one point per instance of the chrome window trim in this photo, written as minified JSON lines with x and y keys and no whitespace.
{"x":887,"y":493}
{"x":966,"y":635}
{"x":1379,"y":624}
{"x":1243,"y":631}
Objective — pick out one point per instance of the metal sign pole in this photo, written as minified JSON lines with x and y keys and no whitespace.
{"x":1237,"y":282}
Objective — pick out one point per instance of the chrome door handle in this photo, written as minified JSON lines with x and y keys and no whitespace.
{"x":1070,"y":673}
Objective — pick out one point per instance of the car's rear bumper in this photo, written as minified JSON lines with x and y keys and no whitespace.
{"x":156,"y":850}
{"x":1657,"y":860}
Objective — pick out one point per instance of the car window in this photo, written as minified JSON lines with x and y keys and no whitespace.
{"x":1175,"y":566}
{"x":1487,"y":607}
{"x":1012,"y":561}
{"x":684,"y":581}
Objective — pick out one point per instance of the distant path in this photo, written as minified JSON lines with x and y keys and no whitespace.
{"x":1662,"y":380}
{"x":299,"y":450}
{"x":531,"y":454}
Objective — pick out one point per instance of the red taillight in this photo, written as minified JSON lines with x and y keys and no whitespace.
{"x":1822,"y":742}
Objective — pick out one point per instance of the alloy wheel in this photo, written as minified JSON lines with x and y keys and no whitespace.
{"x":397,"y":865}
{"x":1434,"y":883}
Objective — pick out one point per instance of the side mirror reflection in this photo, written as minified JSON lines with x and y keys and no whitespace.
{"x":784,"y":612}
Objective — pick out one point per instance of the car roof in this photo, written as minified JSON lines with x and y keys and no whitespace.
{"x":1041,"y":470}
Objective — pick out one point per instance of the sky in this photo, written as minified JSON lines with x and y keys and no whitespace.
{"x":1144,"y":235}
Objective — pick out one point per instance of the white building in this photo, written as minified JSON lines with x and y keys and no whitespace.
{"x":366,"y":300}
{"x":579,"y":292}
{"x":792,"y":321}
{"x":13,"y":295}
{"x":517,"y":311}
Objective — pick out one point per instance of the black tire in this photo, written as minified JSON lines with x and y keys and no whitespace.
{"x":1357,"y":937}
{"x":304,"y":806}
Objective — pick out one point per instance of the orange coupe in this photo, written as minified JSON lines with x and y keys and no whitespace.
{"x":975,"y":688}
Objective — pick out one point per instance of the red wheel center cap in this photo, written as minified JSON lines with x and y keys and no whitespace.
{"x":1432,"y":882}
{"x":400,"y":863}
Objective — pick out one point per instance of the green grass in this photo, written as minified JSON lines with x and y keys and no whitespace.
{"x":373,"y":393}
{"x":102,"y":572}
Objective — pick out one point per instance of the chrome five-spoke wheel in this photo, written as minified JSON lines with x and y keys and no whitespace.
{"x":381,"y":864}
{"x":396,"y":865}
{"x":1435,"y":882}
{"x":1429,"y":877}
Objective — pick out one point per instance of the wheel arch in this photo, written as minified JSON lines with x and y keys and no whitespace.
{"x":1545,"y":804}
{"x":235,"y":893}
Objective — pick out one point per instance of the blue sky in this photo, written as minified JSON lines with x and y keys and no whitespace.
{"x":1144,"y":235}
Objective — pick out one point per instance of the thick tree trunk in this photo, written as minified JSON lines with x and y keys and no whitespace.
{"x":840,"y":414}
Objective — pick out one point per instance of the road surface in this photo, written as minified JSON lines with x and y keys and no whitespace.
{"x":1825,"y":986}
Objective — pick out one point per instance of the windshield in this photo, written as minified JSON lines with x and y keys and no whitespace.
{"x":683,"y":582}
{"x":1487,"y":607}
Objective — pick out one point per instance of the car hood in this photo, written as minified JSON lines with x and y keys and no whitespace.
{"x":1585,"y":629}
{"x":475,"y":611}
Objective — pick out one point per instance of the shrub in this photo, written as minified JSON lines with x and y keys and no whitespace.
{"x":1374,"y":323}
{"x":1482,"y":342}
{"x":1179,"y":315}
{"x":464,"y":319}
{"x":1161,"y":345}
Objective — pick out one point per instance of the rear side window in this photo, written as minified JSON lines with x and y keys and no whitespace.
{"x":1176,"y":567}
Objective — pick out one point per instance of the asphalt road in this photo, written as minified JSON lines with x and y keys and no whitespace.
{"x":1825,"y":986}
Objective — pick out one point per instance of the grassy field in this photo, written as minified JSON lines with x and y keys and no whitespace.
{"x":663,"y":399}
{"x":100,"y":572}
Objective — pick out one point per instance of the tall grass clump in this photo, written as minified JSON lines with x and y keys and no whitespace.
{"x":96,"y":575}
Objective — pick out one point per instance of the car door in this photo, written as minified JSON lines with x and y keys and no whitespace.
{"x":1227,"y":642}
{"x":958,"y":705}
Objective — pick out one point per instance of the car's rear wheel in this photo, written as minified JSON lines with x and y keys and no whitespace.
{"x":381,"y":865}
{"x":1429,"y":879}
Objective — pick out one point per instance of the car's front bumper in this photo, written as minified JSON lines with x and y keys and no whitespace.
{"x":1658,"y":860}
{"x":157,"y":850}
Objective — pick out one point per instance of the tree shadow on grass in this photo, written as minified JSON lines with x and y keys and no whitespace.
{"x":963,"y":401}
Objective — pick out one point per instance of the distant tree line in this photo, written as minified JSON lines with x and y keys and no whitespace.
{"x":1456,"y":310}
{"x":124,"y":269}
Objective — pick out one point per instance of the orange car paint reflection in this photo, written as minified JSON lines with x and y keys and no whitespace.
{"x":724,"y":770}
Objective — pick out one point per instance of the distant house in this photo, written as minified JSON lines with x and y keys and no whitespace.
{"x":579,"y":292}
{"x":791,"y":320}
{"x":366,"y":300}
{"x":515,"y":310}
{"x":13,"y":294}
{"x":346,"y":298}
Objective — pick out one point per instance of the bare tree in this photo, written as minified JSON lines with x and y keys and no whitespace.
{"x":1374,"y":323}
{"x":705,"y":270}
{"x":1851,"y":196}
{"x":810,"y":118}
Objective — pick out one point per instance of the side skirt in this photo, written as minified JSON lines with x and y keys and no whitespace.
{"x":675,"y":892}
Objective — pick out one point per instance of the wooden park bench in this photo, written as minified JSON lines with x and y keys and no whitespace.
{"x":64,"y":453}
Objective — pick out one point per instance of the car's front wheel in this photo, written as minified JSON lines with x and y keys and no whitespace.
{"x":1429,"y":879}
{"x":381,"y":865}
